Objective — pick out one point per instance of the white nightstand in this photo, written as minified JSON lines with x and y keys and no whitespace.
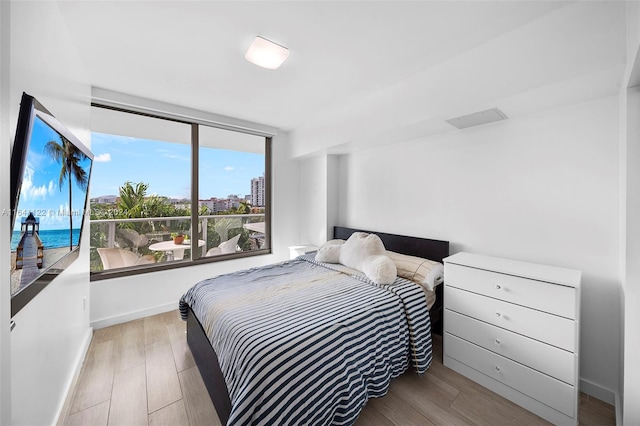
{"x":295,"y":251}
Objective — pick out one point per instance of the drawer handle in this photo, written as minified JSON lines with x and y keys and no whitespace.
{"x":498,"y":286}
{"x":498,"y":314}
{"x":497,"y":369}
{"x":497,"y":341}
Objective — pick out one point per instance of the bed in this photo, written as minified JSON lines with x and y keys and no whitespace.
{"x":318,"y":372}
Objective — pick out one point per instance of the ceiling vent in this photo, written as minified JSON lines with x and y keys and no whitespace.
{"x":477,"y":118}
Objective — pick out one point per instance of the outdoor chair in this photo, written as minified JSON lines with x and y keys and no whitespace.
{"x":120,"y":258}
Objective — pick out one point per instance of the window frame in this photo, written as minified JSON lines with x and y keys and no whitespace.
{"x":195,"y":168}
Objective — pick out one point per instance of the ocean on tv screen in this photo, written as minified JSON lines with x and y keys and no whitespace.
{"x":51,"y":238}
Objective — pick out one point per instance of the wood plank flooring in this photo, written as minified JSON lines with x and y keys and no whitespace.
{"x":142,"y":373}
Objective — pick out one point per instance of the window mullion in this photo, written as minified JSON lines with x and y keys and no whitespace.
{"x":195,"y":167}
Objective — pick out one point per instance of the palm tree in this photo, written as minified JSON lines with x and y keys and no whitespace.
{"x":132,"y":198}
{"x":70,"y":157}
{"x":244,"y":208}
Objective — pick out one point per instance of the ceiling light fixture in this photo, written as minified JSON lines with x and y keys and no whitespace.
{"x":266,"y":53}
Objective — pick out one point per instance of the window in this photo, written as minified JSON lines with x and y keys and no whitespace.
{"x":168,"y":193}
{"x":230,"y":209}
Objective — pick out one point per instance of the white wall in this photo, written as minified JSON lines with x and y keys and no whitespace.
{"x":319,"y":198}
{"x":333,"y":185}
{"x":540,"y":188}
{"x":631,"y":270}
{"x":313,"y":196}
{"x":629,"y":412}
{"x":118,"y":300}
{"x":52,"y":331}
{"x":5,"y":270}
{"x":313,"y":190}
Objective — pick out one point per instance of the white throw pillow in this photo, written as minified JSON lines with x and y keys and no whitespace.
{"x":358,"y":247}
{"x":380,"y":269}
{"x":330,"y":251}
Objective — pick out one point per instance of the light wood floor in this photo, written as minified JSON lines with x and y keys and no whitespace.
{"x":142,"y":373}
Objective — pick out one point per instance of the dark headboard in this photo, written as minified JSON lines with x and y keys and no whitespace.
{"x":414,"y":246}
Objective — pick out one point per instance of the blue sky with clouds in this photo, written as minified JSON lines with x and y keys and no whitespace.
{"x":40,"y":192}
{"x":165,"y":166}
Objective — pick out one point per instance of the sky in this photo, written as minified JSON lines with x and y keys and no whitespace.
{"x":166,"y":168}
{"x":40,"y":192}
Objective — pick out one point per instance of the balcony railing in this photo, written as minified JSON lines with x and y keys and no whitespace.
{"x":143,"y":241}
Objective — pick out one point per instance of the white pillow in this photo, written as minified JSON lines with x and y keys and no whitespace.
{"x":358,"y":247}
{"x":330,"y":251}
{"x":380,"y":269}
{"x":434,"y":277}
{"x":425,"y":272}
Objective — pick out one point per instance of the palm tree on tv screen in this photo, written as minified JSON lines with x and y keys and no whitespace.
{"x":70,"y":157}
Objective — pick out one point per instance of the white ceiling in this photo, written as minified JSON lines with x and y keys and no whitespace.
{"x":357,"y":70}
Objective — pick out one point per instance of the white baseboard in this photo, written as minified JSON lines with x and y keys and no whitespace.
{"x":71,"y":381}
{"x":119,"y":319}
{"x":597,"y":391}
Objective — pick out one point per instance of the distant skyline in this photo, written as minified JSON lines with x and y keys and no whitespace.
{"x":40,"y":192}
{"x":166,"y":168}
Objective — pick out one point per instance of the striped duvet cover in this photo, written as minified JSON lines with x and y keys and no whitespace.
{"x":303,"y":343}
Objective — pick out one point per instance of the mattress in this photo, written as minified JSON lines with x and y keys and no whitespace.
{"x":302,"y":342}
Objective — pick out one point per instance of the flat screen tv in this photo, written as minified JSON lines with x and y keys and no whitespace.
{"x":50,"y":171}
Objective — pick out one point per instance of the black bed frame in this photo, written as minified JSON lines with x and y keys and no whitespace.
{"x":207,"y":360}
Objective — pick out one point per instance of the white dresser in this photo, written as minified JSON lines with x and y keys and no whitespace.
{"x":513,"y":327}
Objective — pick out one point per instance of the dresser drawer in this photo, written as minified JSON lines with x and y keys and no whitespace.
{"x":547,"y":390}
{"x":553,"y":298}
{"x":547,"y":359}
{"x":552,"y":329}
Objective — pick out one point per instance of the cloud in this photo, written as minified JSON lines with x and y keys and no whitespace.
{"x":27,"y":182}
{"x":31,"y":192}
{"x":229,"y":168}
{"x":38,"y":192}
{"x":41,"y":192}
{"x":102,"y":158}
{"x":167,"y":153}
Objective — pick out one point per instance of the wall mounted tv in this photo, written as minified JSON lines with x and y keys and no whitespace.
{"x":50,"y":171}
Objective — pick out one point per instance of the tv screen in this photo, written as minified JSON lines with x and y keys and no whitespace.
{"x":50,"y":171}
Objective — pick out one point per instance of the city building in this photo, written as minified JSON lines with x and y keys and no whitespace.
{"x":216,"y":205}
{"x":105,"y":199}
{"x":258,"y":192}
